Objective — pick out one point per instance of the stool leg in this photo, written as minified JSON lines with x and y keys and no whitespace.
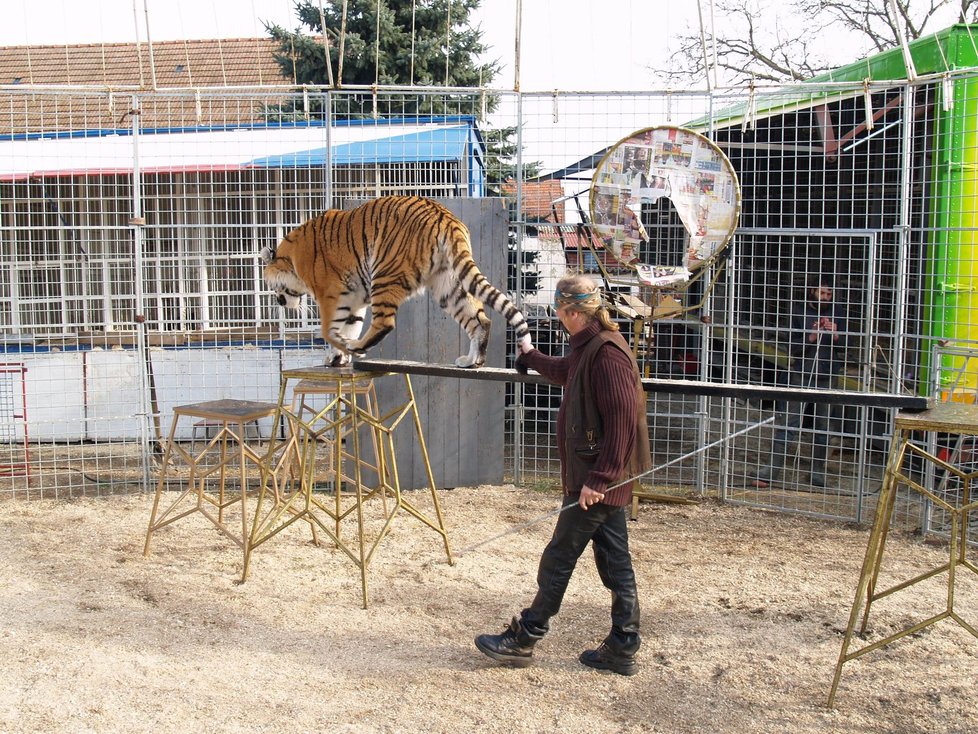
{"x":370,"y":401}
{"x":358,"y":489}
{"x":159,"y":485}
{"x":873,"y":552}
{"x":886,"y":508}
{"x":223,"y":473}
{"x":243,"y":468}
{"x":427,"y":465}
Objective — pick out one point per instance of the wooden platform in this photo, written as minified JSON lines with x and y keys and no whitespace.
{"x":910,"y":403}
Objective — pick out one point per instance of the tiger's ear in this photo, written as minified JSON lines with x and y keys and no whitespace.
{"x":266,"y":254}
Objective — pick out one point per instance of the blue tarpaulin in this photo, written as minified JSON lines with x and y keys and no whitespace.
{"x":440,"y":144}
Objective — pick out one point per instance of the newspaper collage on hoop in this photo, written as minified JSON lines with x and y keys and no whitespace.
{"x":673,"y":163}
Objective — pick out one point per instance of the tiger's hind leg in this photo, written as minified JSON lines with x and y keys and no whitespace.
{"x":468,"y":311}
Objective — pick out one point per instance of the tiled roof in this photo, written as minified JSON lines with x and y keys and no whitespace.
{"x":203,"y":63}
{"x":538,"y":198}
{"x":124,"y":67}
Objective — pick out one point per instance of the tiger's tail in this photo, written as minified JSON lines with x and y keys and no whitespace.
{"x":477,"y":285}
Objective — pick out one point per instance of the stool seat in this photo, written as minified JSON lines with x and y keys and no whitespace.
{"x":317,"y":387}
{"x":228,"y":410}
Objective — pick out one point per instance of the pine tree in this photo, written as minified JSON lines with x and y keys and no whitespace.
{"x":302,"y":56}
{"x":395,"y":65}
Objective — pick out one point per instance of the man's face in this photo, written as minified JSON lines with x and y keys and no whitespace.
{"x":570,"y":319}
{"x":822,"y":294}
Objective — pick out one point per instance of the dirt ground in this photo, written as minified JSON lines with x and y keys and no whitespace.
{"x":743,"y":616}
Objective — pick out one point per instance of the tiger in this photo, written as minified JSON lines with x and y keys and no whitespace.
{"x":382,"y":253}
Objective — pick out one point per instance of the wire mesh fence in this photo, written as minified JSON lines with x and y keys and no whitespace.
{"x":131,"y":227}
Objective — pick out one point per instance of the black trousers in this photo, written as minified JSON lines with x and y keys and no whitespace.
{"x":607,"y":528}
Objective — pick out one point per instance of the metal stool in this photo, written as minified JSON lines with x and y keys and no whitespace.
{"x":952,"y":418}
{"x":226,"y":454}
{"x":345,"y":415}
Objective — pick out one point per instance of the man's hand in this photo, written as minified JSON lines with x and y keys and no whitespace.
{"x":589,"y":497}
{"x":524,"y":345}
{"x":824,"y":324}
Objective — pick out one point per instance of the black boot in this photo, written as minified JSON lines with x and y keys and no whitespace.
{"x":513,"y":646}
{"x":606,"y":658}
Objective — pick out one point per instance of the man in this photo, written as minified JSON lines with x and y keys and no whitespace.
{"x":817,"y":327}
{"x":602,"y":437}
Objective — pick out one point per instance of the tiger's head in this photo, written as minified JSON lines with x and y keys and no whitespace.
{"x":281,"y":277}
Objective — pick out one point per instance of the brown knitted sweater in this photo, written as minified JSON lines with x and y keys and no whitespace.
{"x":614,"y":389}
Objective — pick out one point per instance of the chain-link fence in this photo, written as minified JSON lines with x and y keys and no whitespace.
{"x":131,"y":227}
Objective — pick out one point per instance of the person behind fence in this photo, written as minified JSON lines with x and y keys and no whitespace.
{"x":602,"y":438}
{"x":817,"y":334}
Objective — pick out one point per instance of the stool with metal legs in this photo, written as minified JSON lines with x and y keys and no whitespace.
{"x":345,"y":415}
{"x":949,"y":418}
{"x":227,"y":455}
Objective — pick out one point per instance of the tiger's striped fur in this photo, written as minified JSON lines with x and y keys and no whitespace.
{"x":380,"y":254}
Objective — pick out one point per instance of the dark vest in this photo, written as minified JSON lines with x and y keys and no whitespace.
{"x":583,"y":432}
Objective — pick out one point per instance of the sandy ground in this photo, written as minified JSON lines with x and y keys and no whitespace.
{"x":743,"y":615}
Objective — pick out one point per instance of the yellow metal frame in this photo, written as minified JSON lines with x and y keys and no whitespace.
{"x":334,"y":443}
{"x":340,"y":421}
{"x":227,"y":452}
{"x":950,"y":418}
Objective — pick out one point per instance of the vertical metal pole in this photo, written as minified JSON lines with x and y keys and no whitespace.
{"x":903,"y":239}
{"x":328,"y":176}
{"x":519,"y":413}
{"x":519,"y":28}
{"x":146,"y":405}
{"x":703,"y":402}
{"x":728,"y":369}
{"x":866,"y":356}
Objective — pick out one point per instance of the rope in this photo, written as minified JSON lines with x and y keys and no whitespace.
{"x":329,"y":61}
{"x":186,"y":56}
{"x":448,"y":40}
{"x":139,"y":45}
{"x":339,"y":74}
{"x":105,"y":70}
{"x":706,"y":61}
{"x":904,"y":46}
{"x":713,"y":36}
{"x":220,"y":50}
{"x":413,"y":9}
{"x":868,"y":105}
{"x":519,"y":31}
{"x":149,"y":45}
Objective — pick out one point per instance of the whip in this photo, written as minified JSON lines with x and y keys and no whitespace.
{"x":554,"y":513}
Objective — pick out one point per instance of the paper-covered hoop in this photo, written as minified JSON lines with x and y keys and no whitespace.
{"x":665,"y":162}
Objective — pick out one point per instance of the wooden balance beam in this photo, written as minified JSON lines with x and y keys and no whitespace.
{"x":909,"y":403}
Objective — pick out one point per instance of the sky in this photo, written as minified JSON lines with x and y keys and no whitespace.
{"x":570,"y":45}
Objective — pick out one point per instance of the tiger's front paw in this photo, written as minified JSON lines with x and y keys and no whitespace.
{"x":336,"y":357}
{"x":467,"y":361}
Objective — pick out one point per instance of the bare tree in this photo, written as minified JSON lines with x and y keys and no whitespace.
{"x":802,"y":38}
